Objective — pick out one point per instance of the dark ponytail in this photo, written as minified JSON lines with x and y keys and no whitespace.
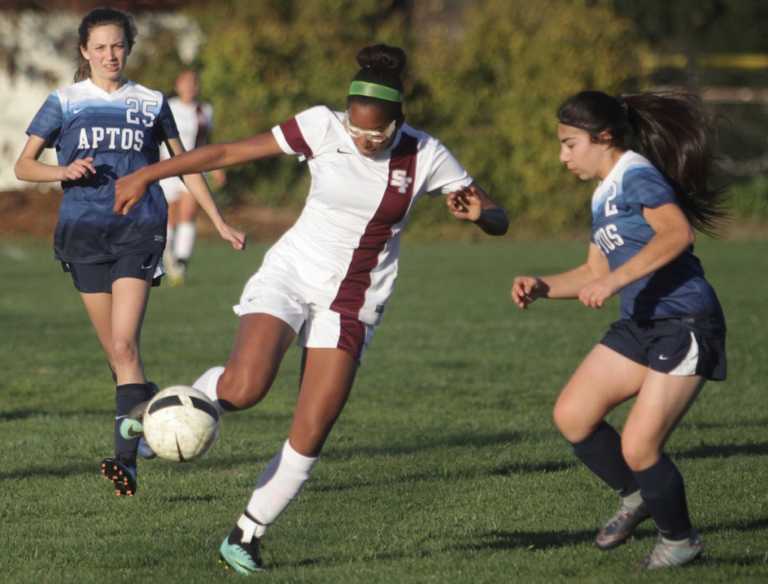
{"x":383,"y":65}
{"x":100,"y":17}
{"x":671,"y":130}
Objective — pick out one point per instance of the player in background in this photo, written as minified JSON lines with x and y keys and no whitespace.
{"x":328,"y":278}
{"x":194,"y":120}
{"x":104,"y":126}
{"x":652,"y":156}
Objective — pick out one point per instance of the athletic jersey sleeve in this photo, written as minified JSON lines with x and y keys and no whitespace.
{"x":446,"y":174}
{"x":166,"y":124}
{"x":646,"y":187}
{"x":48,"y":121}
{"x":304,"y":134}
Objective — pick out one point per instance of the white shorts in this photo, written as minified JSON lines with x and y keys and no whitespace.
{"x":317,"y":327}
{"x":173,"y":187}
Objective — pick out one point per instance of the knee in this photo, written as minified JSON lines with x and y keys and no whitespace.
{"x":124,"y":351}
{"x":569,"y":420}
{"x":639,"y":452}
{"x":242,"y":389}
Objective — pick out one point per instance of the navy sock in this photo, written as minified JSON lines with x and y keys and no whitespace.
{"x":127,"y":397}
{"x":601,"y":453}
{"x":663,"y":491}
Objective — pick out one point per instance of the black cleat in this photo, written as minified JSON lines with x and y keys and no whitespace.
{"x":123,"y":476}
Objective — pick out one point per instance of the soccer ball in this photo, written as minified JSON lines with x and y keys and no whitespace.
{"x":180,"y":423}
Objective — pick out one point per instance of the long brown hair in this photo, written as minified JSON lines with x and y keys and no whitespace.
{"x":671,"y":130}
{"x":101,"y":17}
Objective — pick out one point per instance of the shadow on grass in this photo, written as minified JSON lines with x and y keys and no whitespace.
{"x":541,"y":540}
{"x":464,"y":439}
{"x":397,"y":480}
{"x":189,"y":499}
{"x":26,"y":414}
{"x":724,"y":450}
{"x":500,"y":540}
{"x":458,"y":440}
{"x":754,"y":423}
{"x":69,"y":470}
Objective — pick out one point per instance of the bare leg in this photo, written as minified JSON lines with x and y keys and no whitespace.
{"x":99,"y":309}
{"x":327,"y":380}
{"x":129,"y":304}
{"x":660,"y":405}
{"x":260,"y":345}
{"x":602,"y":381}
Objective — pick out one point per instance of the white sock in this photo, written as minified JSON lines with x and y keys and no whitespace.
{"x":207,"y":383}
{"x":278,"y":485}
{"x":184,"y":240}
{"x":633,"y":500}
{"x":170,"y":237}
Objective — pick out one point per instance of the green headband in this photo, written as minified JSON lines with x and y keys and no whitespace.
{"x":368,"y":89}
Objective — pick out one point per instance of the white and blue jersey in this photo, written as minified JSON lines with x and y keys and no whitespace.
{"x":677,"y":289}
{"x":122,"y":131}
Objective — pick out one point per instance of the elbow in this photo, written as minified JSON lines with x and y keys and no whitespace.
{"x":17,"y":171}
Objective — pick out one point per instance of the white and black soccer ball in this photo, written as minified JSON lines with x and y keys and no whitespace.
{"x":180,"y":423}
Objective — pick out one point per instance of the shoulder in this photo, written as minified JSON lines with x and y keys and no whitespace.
{"x":317,"y":113}
{"x":79,"y":91}
{"x":426,"y":144}
{"x":639,"y":171}
{"x":641,"y":180}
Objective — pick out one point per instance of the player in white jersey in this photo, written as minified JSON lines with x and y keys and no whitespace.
{"x":328,"y":279}
{"x":194,"y":119}
{"x":103,"y":127}
{"x":652,"y":156}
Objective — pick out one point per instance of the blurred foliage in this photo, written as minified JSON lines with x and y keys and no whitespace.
{"x":700,"y":25}
{"x":748,"y":199}
{"x":486,"y":80}
{"x":494,"y":91}
{"x":266,"y":60}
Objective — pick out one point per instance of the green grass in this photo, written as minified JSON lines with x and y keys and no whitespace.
{"x":444,"y":467}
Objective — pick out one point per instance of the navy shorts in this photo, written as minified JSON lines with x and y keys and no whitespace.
{"x":92,"y":278}
{"x":675,"y":346}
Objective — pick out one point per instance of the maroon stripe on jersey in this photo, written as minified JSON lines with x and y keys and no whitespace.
{"x":402,"y":169}
{"x":294,"y":137}
{"x":351,"y":336}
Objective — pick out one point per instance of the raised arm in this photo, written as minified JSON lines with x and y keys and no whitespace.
{"x":129,"y":189}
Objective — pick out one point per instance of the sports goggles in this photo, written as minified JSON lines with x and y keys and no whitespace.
{"x":374,"y":136}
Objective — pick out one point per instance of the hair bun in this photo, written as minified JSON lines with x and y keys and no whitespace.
{"x":382,"y":58}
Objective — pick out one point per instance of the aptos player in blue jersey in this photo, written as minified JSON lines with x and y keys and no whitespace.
{"x":653,"y":159}
{"x":103,"y":127}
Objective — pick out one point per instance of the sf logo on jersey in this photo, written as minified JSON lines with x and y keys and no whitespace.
{"x":400,"y":180}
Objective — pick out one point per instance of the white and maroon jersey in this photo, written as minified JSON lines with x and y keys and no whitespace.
{"x":343,"y":250}
{"x":194,"y":121}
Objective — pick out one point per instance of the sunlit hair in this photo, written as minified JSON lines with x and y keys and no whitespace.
{"x":670,"y":129}
{"x":383,"y":65}
{"x":101,"y":17}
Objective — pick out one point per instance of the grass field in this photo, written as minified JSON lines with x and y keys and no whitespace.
{"x":444,"y":467}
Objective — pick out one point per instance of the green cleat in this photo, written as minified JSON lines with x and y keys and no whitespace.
{"x":242,"y":555}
